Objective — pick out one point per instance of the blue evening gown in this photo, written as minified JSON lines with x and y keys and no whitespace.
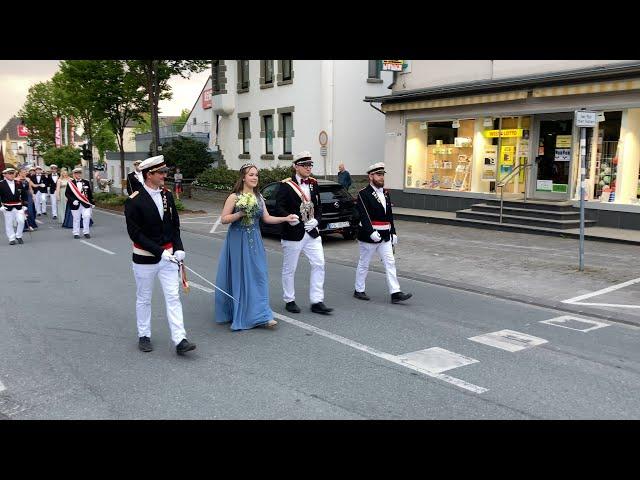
{"x":242,"y":272}
{"x":68,"y":219}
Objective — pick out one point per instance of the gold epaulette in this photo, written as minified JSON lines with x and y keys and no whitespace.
{"x":133,"y":195}
{"x":288,"y":179}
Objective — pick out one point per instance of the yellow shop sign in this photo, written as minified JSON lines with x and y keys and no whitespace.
{"x":511,"y":132}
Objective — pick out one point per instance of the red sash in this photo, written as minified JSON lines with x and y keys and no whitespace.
{"x":297,"y":189}
{"x":74,"y":189}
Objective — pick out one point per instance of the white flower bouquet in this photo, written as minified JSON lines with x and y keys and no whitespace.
{"x":248,"y":203}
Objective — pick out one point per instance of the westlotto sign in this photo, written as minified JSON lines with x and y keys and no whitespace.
{"x":512,"y":132}
{"x":206,"y":99}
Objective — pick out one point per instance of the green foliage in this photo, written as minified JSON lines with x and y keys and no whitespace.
{"x":222,"y":178}
{"x":179,"y":204}
{"x":104,"y":139}
{"x":275,"y":174}
{"x":66,"y":156}
{"x":39,"y":112}
{"x":187,"y":154}
{"x":179,"y":124}
{"x":109,"y":199}
{"x":144,"y":125}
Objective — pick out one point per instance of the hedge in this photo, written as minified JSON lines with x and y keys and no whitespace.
{"x":222,"y":178}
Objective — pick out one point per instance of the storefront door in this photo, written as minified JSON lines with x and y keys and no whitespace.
{"x":552,"y":172}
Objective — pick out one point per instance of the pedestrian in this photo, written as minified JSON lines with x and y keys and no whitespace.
{"x":300,"y":195}
{"x":134,"y":179}
{"x":40,"y":184}
{"x":13,"y":198}
{"x":177,"y":179}
{"x":154,"y":228}
{"x":344,"y":178}
{"x":61,"y":190}
{"x":377,"y":234}
{"x":242,"y":266}
{"x":80,"y":197}
{"x":53,"y":185}
{"x":31,"y":224}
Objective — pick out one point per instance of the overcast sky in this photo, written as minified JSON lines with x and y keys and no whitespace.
{"x":16,"y":76}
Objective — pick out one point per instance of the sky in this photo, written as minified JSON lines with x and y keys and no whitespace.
{"x":16,"y":76}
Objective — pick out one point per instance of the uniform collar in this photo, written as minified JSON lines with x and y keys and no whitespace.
{"x":150,"y":191}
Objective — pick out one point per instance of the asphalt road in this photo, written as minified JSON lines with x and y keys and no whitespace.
{"x":68,"y":347}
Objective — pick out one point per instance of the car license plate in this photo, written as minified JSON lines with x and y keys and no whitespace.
{"x":338,"y":225}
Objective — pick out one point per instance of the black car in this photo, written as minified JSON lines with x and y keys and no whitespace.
{"x":339,"y":213}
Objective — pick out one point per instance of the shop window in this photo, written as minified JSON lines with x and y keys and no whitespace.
{"x":607,"y":141}
{"x":439,"y":154}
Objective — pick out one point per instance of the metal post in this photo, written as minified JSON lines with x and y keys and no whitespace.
{"x":583,"y":149}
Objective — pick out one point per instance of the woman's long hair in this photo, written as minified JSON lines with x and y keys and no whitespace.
{"x":238,"y":187}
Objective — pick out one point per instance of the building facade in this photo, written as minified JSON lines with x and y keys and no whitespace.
{"x":264,"y":111}
{"x":454,"y":130}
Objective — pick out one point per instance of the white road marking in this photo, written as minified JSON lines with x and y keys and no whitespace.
{"x":97,"y":247}
{"x":558,"y":321}
{"x":620,"y":305}
{"x":436,"y":359}
{"x":39,"y":221}
{"x":574,"y":300}
{"x":196,"y":217}
{"x":2,"y":387}
{"x":385,"y":356}
{"x":200,"y":287}
{"x":215,"y":225}
{"x":508,"y":340}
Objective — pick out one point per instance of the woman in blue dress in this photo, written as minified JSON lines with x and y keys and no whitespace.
{"x":242,"y":267}
{"x":31,"y":224}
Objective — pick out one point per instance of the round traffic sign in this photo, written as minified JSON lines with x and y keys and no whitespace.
{"x":323,"y":138}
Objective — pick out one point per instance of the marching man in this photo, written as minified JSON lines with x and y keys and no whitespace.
{"x":53,"y":183}
{"x":154,"y":228}
{"x":40,"y":183}
{"x":377,"y":234}
{"x":80,"y":197}
{"x":300,"y":195}
{"x":13,"y":198}
{"x":134,"y":179}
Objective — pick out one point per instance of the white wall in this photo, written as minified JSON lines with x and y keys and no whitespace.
{"x":200,"y":114}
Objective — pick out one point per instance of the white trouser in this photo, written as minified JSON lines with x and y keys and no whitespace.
{"x":54,"y":204}
{"x":16,"y":216}
{"x":312,"y":248}
{"x":41,"y":202}
{"x":85,"y":213}
{"x":385,"y":252}
{"x":145,"y":275}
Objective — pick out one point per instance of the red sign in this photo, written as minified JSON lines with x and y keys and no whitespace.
{"x":206,"y":99}
{"x":22,"y":131}
{"x":58,"y":132}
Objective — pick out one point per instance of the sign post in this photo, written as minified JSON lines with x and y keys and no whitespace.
{"x":323,"y":138}
{"x":583,"y":119}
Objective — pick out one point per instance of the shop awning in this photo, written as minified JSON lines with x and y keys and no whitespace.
{"x":587,"y":88}
{"x":456,"y":101}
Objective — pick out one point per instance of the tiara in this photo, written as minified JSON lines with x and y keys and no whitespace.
{"x":247,"y":165}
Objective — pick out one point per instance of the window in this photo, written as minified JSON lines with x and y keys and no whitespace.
{"x":194,"y":120}
{"x":268,"y":129}
{"x":285,"y":72}
{"x":243,"y":76}
{"x":218,"y":77}
{"x":266,"y":73}
{"x":287,"y":132}
{"x":244,"y":122}
{"x":374,"y":72}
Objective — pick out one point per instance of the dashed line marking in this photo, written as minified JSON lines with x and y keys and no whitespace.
{"x":97,"y":247}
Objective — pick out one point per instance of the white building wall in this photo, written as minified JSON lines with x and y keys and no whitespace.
{"x":201,"y":115}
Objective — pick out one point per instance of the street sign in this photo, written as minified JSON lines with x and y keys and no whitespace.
{"x":323,"y":151}
{"x":585,"y":118}
{"x":323,"y":138}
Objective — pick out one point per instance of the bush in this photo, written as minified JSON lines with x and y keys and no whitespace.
{"x":222,"y":178}
{"x":66,"y":156}
{"x":110,"y":199}
{"x":179,"y":204}
{"x":103,"y":196}
{"x":191,"y":156}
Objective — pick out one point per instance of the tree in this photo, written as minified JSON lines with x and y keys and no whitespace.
{"x":191,"y":156}
{"x":104,"y":139}
{"x":153,"y":76}
{"x":144,"y":125}
{"x":66,"y":156}
{"x":179,"y":124}
{"x":43,"y":104}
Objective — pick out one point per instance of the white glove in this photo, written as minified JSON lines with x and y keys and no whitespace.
{"x":293,"y":224}
{"x":179,"y":254}
{"x":166,"y":255}
{"x":375,"y":236}
{"x":310,"y":224}
{"x":76,"y":202}
{"x":3,"y":208}
{"x":394,"y":239}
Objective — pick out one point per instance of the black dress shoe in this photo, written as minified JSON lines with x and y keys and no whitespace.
{"x":12,"y":242}
{"x":400,"y":296}
{"x":321,"y":308}
{"x":185,"y":346}
{"x":144,"y":344}
{"x":44,"y":213}
{"x":76,"y":236}
{"x":361,"y":295}
{"x":86,"y":235}
{"x":292,"y":307}
{"x":55,"y":217}
{"x":20,"y":241}
{"x":39,"y":214}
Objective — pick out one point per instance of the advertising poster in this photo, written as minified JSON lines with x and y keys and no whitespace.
{"x":489,"y":163}
{"x":507,"y":154}
{"x":562,"y":155}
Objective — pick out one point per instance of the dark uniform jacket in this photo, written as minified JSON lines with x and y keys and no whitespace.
{"x":371,"y":210}
{"x":44,"y":180}
{"x":147,"y":229}
{"x":133,"y":184}
{"x":6,"y":196}
{"x":85,"y":188}
{"x":53,"y":183}
{"x":288,"y":202}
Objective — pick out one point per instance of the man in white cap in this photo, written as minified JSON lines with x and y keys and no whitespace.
{"x":13,"y":198}
{"x":377,"y":234}
{"x":53,"y":183}
{"x":134,"y":179}
{"x":80,"y":198}
{"x":40,"y":183}
{"x":300,"y":195}
{"x":154,"y":228}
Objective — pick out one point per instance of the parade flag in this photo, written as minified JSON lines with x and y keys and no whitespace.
{"x":58,"y":132}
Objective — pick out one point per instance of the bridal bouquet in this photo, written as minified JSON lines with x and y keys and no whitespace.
{"x":249,"y":205}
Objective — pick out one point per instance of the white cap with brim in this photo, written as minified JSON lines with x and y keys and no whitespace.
{"x":376,"y":168}
{"x":302,"y":158}
{"x":53,"y":165}
{"x":154,"y":164}
{"x":9,"y":170}
{"x":77,"y":170}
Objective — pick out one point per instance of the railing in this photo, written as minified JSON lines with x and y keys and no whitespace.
{"x":503,"y":182}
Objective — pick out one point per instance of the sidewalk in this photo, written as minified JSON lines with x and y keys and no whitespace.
{"x":536,"y":269}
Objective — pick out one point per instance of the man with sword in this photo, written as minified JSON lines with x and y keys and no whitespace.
{"x":154,"y":228}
